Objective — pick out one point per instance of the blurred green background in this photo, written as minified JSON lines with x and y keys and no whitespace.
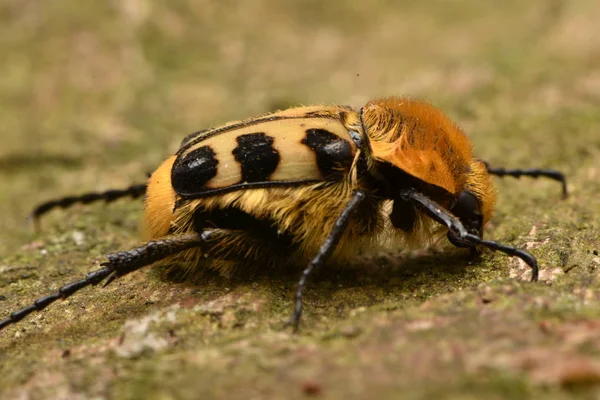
{"x":94,"y":95}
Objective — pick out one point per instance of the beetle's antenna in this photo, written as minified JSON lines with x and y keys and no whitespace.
{"x":118,"y":264}
{"x":325,"y":251}
{"x":439,"y":214}
{"x":533,"y":172}
{"x":133,"y":191}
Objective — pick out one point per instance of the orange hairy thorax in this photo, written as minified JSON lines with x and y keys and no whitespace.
{"x":420,"y":140}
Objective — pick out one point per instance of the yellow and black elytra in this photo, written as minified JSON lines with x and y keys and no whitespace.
{"x":307,"y":184}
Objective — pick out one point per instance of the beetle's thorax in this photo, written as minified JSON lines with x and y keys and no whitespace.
{"x":417,"y":138}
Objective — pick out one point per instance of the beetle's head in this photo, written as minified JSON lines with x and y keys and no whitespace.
{"x":474,"y":205}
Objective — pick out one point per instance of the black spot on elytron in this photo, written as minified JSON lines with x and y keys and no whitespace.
{"x":256,"y":155}
{"x":334,"y":154}
{"x":191,"y":173}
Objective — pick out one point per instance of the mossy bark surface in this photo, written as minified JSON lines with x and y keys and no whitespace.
{"x":94,"y":96}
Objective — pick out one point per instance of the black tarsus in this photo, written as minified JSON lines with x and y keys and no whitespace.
{"x":533,"y":173}
{"x":325,"y":251}
{"x":437,"y":213}
{"x":133,"y":191}
{"x":118,"y":264}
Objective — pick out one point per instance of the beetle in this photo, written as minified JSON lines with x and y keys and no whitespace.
{"x":304,"y":185}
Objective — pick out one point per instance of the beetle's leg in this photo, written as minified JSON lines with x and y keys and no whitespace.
{"x":119,"y":264}
{"x":456,"y":228}
{"x":533,"y":172}
{"x":325,"y":251}
{"x":133,"y":191}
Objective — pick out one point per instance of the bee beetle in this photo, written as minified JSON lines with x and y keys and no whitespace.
{"x":305,"y":185}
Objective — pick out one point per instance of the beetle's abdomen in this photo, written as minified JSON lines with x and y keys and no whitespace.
{"x":160,"y":201}
{"x":272,"y":152}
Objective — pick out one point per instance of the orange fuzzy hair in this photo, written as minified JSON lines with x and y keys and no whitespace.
{"x":422,"y":141}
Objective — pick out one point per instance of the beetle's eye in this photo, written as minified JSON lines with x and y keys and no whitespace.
{"x":468,"y":209}
{"x":466,"y":204}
